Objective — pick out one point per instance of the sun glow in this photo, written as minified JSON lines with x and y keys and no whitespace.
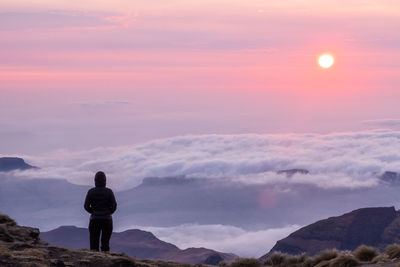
{"x":326,"y":61}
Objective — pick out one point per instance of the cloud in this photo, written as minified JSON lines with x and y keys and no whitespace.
{"x":339,"y":160}
{"x":223,"y":238}
{"x":125,"y":20}
{"x":103,"y":104}
{"x":52,"y":19}
{"x":386,"y":123}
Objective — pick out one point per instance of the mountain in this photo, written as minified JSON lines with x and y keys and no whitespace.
{"x":136,"y":243}
{"x":376,"y":227}
{"x":21,"y":246}
{"x":291,"y":172}
{"x":10,"y":164}
{"x":390,"y":177}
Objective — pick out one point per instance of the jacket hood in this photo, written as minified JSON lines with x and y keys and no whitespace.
{"x":100,"y":179}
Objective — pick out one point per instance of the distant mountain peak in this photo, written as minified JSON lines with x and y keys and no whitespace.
{"x":138,"y":235}
{"x":67,"y":227}
{"x":167,"y":181}
{"x":291,"y":172}
{"x":13,"y":163}
{"x":391,"y":177}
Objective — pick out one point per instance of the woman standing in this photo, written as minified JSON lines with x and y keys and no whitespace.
{"x":100,"y":203}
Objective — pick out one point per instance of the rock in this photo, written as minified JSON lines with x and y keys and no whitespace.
{"x":11,"y":232}
{"x":4,"y":219}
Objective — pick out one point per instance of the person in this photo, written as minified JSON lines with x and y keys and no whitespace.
{"x":100,"y":203}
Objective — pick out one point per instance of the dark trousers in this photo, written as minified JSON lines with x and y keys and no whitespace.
{"x":103,"y":227}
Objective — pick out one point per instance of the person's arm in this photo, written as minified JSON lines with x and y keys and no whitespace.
{"x":87,"y":205}
{"x":113,"y":206}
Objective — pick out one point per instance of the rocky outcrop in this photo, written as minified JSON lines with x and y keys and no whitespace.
{"x":10,"y":232}
{"x":10,"y":164}
{"x":21,"y":247}
{"x":377,"y":227}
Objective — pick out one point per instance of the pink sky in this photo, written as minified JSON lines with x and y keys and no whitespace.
{"x":83,"y":74}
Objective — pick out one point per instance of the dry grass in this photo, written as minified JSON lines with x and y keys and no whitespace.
{"x":324,"y":256}
{"x":275,"y":259}
{"x":334,"y":258}
{"x":381,"y":258}
{"x":365,"y":253}
{"x":344,"y":260}
{"x":393,"y":251}
{"x":246,"y":262}
{"x":282,"y":259}
{"x":295,"y":260}
{"x":31,"y":252}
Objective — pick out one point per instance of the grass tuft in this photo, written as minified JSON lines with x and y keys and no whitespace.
{"x":291,"y":260}
{"x":246,"y":262}
{"x":275,"y":259}
{"x":393,"y":251}
{"x":365,"y":253}
{"x":324,"y":256}
{"x":381,"y":258}
{"x":344,"y":260}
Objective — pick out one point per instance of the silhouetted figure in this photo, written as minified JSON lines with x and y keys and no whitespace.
{"x":100,"y":203}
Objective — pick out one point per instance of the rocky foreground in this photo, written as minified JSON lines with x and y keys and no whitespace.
{"x":21,"y":246}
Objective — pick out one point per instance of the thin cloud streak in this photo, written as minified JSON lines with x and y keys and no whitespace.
{"x":103,"y":104}
{"x":389,"y":123}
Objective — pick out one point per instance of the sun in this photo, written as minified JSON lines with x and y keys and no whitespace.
{"x":326,"y":61}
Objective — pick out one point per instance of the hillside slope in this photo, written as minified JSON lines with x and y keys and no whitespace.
{"x":376,"y":227}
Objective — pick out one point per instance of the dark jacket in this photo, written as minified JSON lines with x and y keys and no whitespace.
{"x":100,"y":202}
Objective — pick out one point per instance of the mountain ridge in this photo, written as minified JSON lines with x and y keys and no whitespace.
{"x":373,"y":226}
{"x":136,"y":243}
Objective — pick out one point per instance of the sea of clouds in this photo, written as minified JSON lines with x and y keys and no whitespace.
{"x":337,"y":160}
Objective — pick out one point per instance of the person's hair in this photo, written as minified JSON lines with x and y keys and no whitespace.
{"x":100,"y":179}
